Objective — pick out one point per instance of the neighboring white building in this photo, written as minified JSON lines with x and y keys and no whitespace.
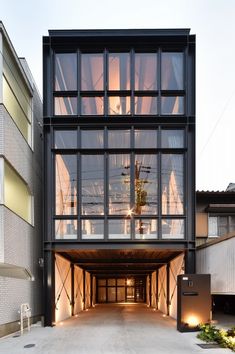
{"x":20,"y":188}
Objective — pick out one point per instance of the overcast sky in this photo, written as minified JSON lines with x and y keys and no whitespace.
{"x":213,"y":22}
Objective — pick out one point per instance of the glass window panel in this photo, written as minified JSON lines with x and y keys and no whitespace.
{"x":101,"y":282}
{"x":65,"y":106}
{"x":146,"y":184}
{"x":92,"y":185}
{"x":130,"y":282}
{"x":172,"y":138}
{"x":146,"y":139}
{"x":172,"y":229}
{"x":118,"y":138}
{"x":119,"y":71}
{"x":65,"y":72}
{"x":172,"y":184}
{"x":65,"y":139}
{"x":231,"y":223}
{"x":145,"y":105}
{"x":66,"y":184}
{"x":146,"y":229}
{"x":65,"y":229}
{"x":119,"y":229}
{"x":111,"y":282}
{"x":92,"y":72}
{"x":92,"y":229}
{"x":119,"y":184}
{"x":121,"y":282}
{"x":101,"y":294}
{"x":92,"y":105}
{"x":112,"y":294}
{"x":119,"y":105}
{"x":121,"y":294}
{"x":92,"y":139}
{"x":172,"y":105}
{"x":213,"y":226}
{"x":146,"y":71}
{"x":172,"y":71}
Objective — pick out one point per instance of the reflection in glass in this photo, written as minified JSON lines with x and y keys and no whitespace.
{"x":145,"y":105}
{"x":92,"y":229}
{"x":145,"y":184}
{"x":66,"y":184}
{"x":121,"y":294}
{"x":65,"y":229}
{"x":172,"y":184}
{"x":145,"y":139}
{"x":121,"y":282}
{"x":118,"y":138}
{"x":145,"y":229}
{"x":65,"y":72}
{"x":119,"y":71}
{"x":111,"y":294}
{"x":172,"y":105}
{"x":172,"y":138}
{"x":119,"y":184}
{"x":172,"y":71}
{"x":92,"y":105}
{"x":119,"y":105}
{"x":92,"y":72}
{"x":146,"y":71}
{"x":92,"y":139}
{"x":119,"y":229}
{"x":111,"y":282}
{"x":65,"y":106}
{"x":101,"y":294}
{"x":65,"y":139}
{"x":92,"y":185}
{"x":172,"y":228}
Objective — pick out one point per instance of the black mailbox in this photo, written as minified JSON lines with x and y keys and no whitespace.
{"x":193,"y":301}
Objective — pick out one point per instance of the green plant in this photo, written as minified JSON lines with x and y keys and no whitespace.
{"x":225,"y":339}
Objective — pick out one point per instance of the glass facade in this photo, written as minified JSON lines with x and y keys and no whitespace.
{"x":104,"y":84}
{"x":120,"y":183}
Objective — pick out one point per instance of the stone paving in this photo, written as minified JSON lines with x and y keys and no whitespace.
{"x":107,"y":329}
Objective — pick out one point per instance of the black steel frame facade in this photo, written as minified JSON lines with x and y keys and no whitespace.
{"x":93,"y":41}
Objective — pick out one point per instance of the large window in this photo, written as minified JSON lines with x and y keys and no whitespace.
{"x":119,"y":183}
{"x":106,"y":84}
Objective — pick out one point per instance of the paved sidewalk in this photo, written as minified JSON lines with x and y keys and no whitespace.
{"x":107,"y":329}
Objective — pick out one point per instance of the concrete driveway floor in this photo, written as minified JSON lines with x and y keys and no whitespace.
{"x":107,"y":329}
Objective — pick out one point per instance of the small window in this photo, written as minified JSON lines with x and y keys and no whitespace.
{"x":213,"y":226}
{"x":119,"y":139}
{"x":65,"y":139}
{"x":119,"y":105}
{"x":92,"y":229}
{"x":65,"y":229}
{"x":146,"y":229}
{"x":172,"y":139}
{"x":92,"y":75}
{"x":172,"y":71}
{"x":145,"y":139}
{"x":92,"y":139}
{"x":66,"y":72}
{"x":119,"y":229}
{"x":172,"y":105}
{"x":119,"y":71}
{"x":145,"y":105}
{"x":146,"y":71}
{"x":92,"y":105}
{"x":172,"y":229}
{"x":65,"y":106}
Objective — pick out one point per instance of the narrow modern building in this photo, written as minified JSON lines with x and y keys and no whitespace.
{"x":20,"y":189}
{"x":119,"y":152}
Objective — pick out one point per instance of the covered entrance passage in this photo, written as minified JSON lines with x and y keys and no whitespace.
{"x":84,"y":278}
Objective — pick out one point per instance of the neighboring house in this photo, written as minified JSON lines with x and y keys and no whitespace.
{"x":20,"y":188}
{"x":215,"y":231}
{"x":119,"y":197}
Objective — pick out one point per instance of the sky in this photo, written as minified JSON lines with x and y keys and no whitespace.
{"x":213,"y":22}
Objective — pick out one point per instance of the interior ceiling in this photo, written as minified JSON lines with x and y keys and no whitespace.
{"x":120,"y":262}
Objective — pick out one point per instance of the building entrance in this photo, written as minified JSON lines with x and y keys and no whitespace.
{"x":111,"y":290}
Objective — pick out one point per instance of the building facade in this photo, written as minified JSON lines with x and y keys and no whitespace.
{"x":20,"y":188}
{"x":119,"y":134}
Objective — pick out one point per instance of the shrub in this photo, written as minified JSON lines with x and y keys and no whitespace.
{"x":225,"y":339}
